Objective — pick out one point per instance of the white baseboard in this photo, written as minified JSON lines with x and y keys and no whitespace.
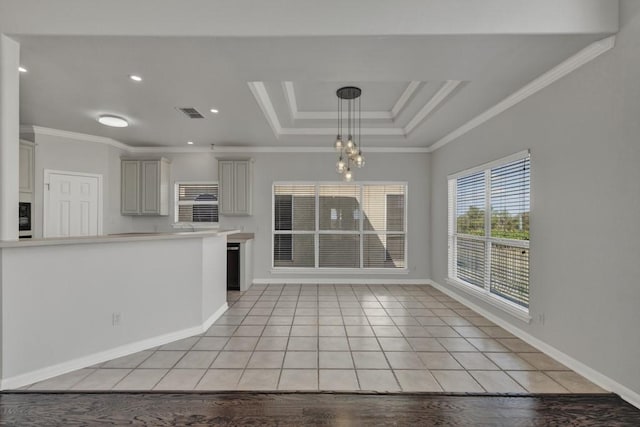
{"x":340,"y":281}
{"x":215,"y":316}
{"x":591,"y":374}
{"x":103,"y":356}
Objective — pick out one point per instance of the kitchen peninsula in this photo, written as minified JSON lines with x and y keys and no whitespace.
{"x":73,"y":302}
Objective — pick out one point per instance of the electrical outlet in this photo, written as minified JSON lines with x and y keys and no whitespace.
{"x":541,"y":318}
{"x":115,"y":319}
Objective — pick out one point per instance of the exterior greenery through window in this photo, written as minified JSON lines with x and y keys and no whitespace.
{"x":196,"y":203}
{"x":327,"y":225}
{"x":489,"y":228}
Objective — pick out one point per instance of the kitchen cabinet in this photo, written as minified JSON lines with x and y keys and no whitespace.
{"x":145,"y":187}
{"x":236,"y":182}
{"x":26,"y":168}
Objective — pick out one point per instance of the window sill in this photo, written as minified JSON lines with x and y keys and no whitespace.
{"x":313,"y":270}
{"x":507,"y":307}
{"x":195,"y":225}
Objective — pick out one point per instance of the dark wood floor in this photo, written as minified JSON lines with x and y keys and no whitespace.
{"x":312,"y":409}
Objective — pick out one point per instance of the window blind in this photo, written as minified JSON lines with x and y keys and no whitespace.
{"x":294,"y":224}
{"x":339,"y":207}
{"x":196,"y":202}
{"x":488,"y":229}
{"x":384,"y":226}
{"x":510,"y":200}
{"x":470,"y":204}
{"x":357,"y":225}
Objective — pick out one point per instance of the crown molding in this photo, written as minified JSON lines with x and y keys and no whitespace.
{"x":297,"y":149}
{"x":436,"y":100}
{"x":556,"y":73}
{"x":165,"y":149}
{"x":260,"y":93}
{"x":85,"y":137}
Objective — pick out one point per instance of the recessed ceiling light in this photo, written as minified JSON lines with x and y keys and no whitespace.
{"x":214,"y":111}
{"x":190,"y":142}
{"x":22,"y":69}
{"x":135,"y":78}
{"x":113,"y":121}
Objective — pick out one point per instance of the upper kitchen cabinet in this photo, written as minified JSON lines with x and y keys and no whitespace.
{"x":145,"y":187}
{"x":26,"y":168}
{"x":235,"y":178}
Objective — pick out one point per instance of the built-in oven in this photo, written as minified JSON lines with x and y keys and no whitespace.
{"x":24,"y":220}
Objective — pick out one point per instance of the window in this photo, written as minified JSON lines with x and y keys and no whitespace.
{"x":488,"y":231}
{"x":329,"y":225}
{"x":196,"y":203}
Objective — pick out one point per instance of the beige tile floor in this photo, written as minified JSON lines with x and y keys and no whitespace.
{"x":342,"y":337}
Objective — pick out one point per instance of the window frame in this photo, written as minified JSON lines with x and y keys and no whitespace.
{"x":177,"y":203}
{"x":317,"y":232}
{"x":484,"y":292}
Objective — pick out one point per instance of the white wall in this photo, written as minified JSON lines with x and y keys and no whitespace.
{"x":584,"y":136}
{"x":271,"y":167}
{"x":64,"y":154}
{"x":58,"y":301}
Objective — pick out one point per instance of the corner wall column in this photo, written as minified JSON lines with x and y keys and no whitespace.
{"x":9,"y":137}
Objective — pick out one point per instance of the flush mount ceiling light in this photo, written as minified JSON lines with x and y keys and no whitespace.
{"x":214,"y":111}
{"x":349,"y":152}
{"x":113,"y":121}
{"x":135,"y":77}
{"x":22,"y":69}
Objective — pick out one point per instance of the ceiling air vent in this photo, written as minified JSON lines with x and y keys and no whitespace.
{"x":191,"y":112}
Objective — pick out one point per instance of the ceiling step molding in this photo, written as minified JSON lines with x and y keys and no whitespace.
{"x":556,"y":73}
{"x":290,"y":96}
{"x":436,"y":100}
{"x":261,"y":94}
{"x":404,"y":98}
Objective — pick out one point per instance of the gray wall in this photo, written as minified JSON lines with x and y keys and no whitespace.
{"x":268,"y":168}
{"x":71,"y":155}
{"x":584,"y":136}
{"x":59,"y":153}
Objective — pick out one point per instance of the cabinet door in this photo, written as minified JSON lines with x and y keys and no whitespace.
{"x":242,"y":187}
{"x":150,"y":187}
{"x":26,"y":168}
{"x":130,"y":194}
{"x":226,"y":189}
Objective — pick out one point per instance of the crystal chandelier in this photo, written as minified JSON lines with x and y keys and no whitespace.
{"x":349,"y":152}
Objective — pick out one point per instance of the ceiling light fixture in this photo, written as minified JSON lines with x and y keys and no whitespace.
{"x":22,"y":69}
{"x":214,"y":111}
{"x":350,"y":152}
{"x":190,"y":142}
{"x":135,"y":78}
{"x":113,"y":121}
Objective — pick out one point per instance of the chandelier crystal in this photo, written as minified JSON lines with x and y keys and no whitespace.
{"x":349,"y":152}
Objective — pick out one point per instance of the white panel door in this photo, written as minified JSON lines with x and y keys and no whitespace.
{"x":72,"y":208}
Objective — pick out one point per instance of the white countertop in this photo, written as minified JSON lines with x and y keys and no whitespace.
{"x":240,"y":237}
{"x":115,"y":238}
